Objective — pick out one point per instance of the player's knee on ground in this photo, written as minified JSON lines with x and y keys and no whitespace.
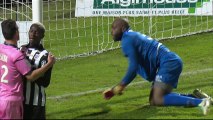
{"x":157,"y":96}
{"x":159,"y":90}
{"x":153,"y":101}
{"x":156,"y":101}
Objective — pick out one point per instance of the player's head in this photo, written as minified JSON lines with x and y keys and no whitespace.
{"x":119,"y":26}
{"x":36,"y":33}
{"x":10,"y":30}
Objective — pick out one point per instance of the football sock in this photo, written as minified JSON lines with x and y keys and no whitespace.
{"x":174,"y":99}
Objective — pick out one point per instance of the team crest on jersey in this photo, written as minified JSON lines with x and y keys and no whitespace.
{"x":43,"y":62}
{"x":36,"y":56}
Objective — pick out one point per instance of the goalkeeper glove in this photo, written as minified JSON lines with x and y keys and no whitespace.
{"x":109,"y":93}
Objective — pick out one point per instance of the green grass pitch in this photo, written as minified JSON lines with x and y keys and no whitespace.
{"x":68,"y":35}
{"x":107,"y":69}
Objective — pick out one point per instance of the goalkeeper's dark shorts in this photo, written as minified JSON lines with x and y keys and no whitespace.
{"x":34,"y":112}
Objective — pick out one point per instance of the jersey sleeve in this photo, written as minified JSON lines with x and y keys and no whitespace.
{"x":129,"y":50}
{"x":22,"y":65}
{"x":45,"y":80}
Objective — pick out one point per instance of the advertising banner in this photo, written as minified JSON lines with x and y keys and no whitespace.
{"x":87,"y":8}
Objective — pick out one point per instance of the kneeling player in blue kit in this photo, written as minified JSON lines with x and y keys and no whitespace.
{"x":155,"y":63}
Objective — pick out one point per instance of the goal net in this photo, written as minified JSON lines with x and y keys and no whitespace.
{"x":76,"y":28}
{"x":19,"y":10}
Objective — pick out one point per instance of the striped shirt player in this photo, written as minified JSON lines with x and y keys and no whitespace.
{"x":35,"y":97}
{"x":13,"y":67}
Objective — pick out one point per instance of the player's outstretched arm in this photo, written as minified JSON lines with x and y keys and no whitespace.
{"x":40,"y":71}
{"x":117,"y":90}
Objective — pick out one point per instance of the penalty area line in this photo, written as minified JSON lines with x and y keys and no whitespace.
{"x":134,"y":83}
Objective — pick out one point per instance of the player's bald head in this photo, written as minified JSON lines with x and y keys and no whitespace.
{"x":121,"y":22}
{"x":119,"y":26}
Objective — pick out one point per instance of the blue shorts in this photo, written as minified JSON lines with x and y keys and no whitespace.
{"x":170,"y":69}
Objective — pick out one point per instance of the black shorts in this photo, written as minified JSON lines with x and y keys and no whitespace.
{"x":34,"y":112}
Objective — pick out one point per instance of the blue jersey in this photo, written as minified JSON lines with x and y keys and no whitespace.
{"x":145,"y":56}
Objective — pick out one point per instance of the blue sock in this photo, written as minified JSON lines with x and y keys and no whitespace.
{"x":174,"y":99}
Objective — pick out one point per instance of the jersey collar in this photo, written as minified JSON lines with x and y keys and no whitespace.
{"x":10,"y":45}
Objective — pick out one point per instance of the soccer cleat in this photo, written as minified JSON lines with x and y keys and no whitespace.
{"x":200,"y":94}
{"x":204,"y":105}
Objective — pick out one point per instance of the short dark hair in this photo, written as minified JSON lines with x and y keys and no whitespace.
{"x":39,"y":25}
{"x":9,"y":28}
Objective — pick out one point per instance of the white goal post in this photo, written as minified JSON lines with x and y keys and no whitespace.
{"x":76,"y":28}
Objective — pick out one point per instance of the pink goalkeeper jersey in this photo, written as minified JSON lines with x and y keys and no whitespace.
{"x":13,"y":66}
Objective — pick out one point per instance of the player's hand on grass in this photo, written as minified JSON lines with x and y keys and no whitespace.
{"x":109,"y":93}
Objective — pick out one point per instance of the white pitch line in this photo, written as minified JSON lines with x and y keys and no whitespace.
{"x":134,"y":83}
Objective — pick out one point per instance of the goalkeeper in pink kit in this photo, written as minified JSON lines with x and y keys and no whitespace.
{"x":14,"y":67}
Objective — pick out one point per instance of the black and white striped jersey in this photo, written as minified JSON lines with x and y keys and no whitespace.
{"x":36,"y":57}
{"x":35,"y":91}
